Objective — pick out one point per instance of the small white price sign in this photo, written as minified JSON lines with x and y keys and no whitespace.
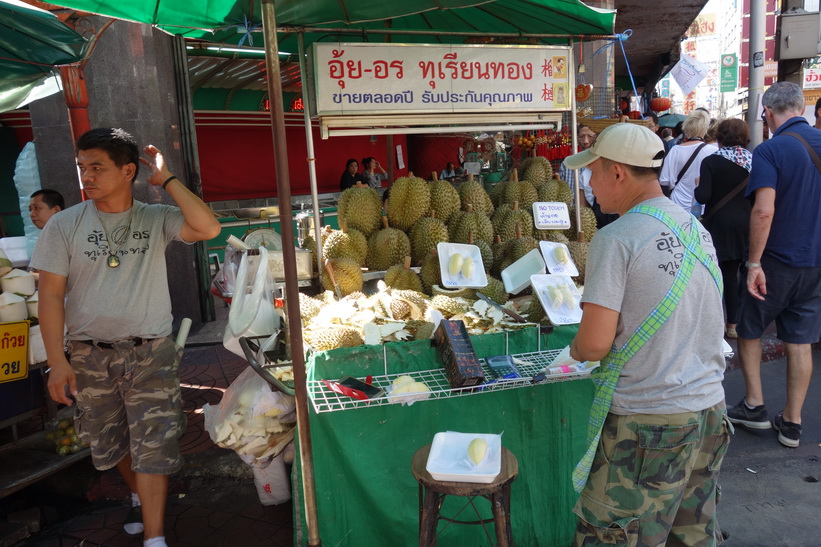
{"x":548,"y":215}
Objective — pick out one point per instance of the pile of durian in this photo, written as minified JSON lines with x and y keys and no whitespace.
{"x":419,"y":215}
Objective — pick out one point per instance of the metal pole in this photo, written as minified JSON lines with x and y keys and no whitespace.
{"x":289,"y":260}
{"x":574,"y":146}
{"x":756,"y":85}
{"x":401,"y":32}
{"x":309,"y":144}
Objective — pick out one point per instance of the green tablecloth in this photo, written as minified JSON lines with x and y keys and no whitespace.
{"x":365,"y":492}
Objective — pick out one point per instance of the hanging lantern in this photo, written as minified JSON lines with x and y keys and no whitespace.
{"x":660,"y":104}
{"x":623,"y":105}
{"x":634,"y":115}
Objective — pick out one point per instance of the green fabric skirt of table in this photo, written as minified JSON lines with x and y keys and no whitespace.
{"x":365,"y":492}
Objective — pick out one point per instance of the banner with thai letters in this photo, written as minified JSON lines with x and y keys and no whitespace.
{"x":401,"y":78}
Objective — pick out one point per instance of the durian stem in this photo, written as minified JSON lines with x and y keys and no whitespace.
{"x":407,"y":262}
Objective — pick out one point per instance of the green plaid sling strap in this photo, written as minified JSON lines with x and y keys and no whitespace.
{"x":606,"y":376}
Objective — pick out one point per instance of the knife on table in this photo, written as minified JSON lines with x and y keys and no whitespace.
{"x":515,"y":316}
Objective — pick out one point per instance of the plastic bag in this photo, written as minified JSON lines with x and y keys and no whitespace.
{"x":251,"y":419}
{"x":225,"y":279}
{"x":271,"y":480}
{"x":251,"y":314}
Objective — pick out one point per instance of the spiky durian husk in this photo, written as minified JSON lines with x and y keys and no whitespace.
{"x":521,"y":191}
{"x":308,"y":308}
{"x":445,"y":199}
{"x":578,"y":252}
{"x":348,"y":276}
{"x":360,"y":208}
{"x":506,"y":218}
{"x":472,"y":221}
{"x":473,"y":193}
{"x":486,"y":252}
{"x":536,"y":313}
{"x":467,"y":294}
{"x":497,"y":192}
{"x":521,"y":246}
{"x":588,"y":224}
{"x":409,"y":201}
{"x":536,"y":170}
{"x":495,"y":290}
{"x":424,"y":236}
{"x":417,"y":297}
{"x":429,"y":273}
{"x":421,"y":330}
{"x":400,"y":278}
{"x":555,"y":190}
{"x":337,"y":336}
{"x":556,"y":236}
{"x":349,"y":244}
{"x":386,"y":248}
{"x":447,"y":305}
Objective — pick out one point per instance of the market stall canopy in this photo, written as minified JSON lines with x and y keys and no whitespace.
{"x":238,"y":21}
{"x":32,"y":41}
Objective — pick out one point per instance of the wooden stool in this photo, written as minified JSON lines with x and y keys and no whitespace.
{"x":432,"y":493}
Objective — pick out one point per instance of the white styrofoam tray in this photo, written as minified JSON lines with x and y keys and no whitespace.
{"x":553,"y":265}
{"x":516,"y":277}
{"x":568,"y":313}
{"x":448,"y":461}
{"x":479,"y":278}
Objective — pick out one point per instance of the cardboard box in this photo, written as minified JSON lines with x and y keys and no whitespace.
{"x":458,"y":357}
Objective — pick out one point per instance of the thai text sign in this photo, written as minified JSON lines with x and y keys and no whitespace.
{"x":14,"y":351}
{"x":729,"y":72}
{"x":812,"y":78}
{"x":397,"y":78}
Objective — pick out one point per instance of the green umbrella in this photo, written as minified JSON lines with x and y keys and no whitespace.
{"x":32,"y":41}
{"x":671,"y":120}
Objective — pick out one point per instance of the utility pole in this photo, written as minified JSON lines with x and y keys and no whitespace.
{"x":756,"y":84}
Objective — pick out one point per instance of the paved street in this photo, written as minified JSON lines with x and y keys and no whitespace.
{"x":771,"y":495}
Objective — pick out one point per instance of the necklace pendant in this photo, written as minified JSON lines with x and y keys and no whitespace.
{"x":113,"y":261}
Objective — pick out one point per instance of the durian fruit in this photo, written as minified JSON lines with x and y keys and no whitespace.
{"x":425,"y":235}
{"x":473,"y":193}
{"x":472,"y":221}
{"x":447,"y":305}
{"x":308,"y":308}
{"x":346,"y":243}
{"x":400,"y":309}
{"x":484,"y":250}
{"x":467,"y":294}
{"x":536,"y":313}
{"x":507,"y":217}
{"x":556,"y":236}
{"x":536,"y":170}
{"x":421,"y":330}
{"x":360,"y":207}
{"x":521,"y":191}
{"x":499,"y":249}
{"x":429,"y":273}
{"x":495,"y":290}
{"x":333,"y":337}
{"x":409,"y":201}
{"x":578,"y":252}
{"x":401,"y":277}
{"x":327,"y":297}
{"x":387,"y":247}
{"x":497,"y":192}
{"x":444,"y":198}
{"x":346,"y":273}
{"x":588,"y":224}
{"x":555,"y":190}
{"x":415,"y":297}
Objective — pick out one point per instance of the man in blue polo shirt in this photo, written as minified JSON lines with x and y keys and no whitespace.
{"x":783,"y":271}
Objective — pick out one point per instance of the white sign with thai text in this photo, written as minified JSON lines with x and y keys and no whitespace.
{"x":812,"y":78}
{"x":398,"y":78}
{"x":548,"y":215}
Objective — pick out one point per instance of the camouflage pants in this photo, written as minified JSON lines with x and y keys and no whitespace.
{"x":130,"y":403}
{"x":654,"y":480}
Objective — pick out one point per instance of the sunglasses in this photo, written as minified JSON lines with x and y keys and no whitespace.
{"x":764,"y":114}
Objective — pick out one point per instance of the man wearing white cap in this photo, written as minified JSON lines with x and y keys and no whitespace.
{"x":652,"y":315}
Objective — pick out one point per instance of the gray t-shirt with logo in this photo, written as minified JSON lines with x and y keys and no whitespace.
{"x":631,"y":266}
{"x":105,"y":303}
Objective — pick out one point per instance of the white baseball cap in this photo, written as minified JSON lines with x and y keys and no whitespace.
{"x":627,"y":143}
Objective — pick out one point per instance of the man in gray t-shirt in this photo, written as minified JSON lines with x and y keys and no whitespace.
{"x":103,"y":275}
{"x":652,"y":315}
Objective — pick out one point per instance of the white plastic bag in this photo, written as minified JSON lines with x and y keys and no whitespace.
{"x":271,"y":480}
{"x":251,"y":419}
{"x":252,"y":313}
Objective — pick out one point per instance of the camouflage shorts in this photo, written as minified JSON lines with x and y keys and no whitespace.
{"x":654,"y":480}
{"x":130,"y":402}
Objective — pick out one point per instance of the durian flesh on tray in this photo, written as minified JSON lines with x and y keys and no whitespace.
{"x":391,"y":315}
